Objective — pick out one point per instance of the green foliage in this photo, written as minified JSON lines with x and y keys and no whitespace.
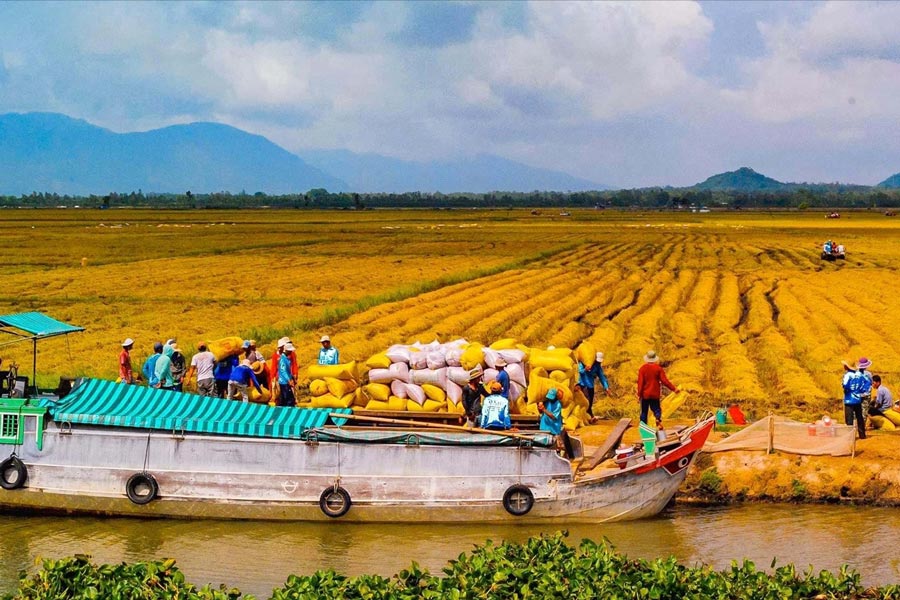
{"x":710,"y":482}
{"x":544,"y":568}
{"x":79,"y":579}
{"x":798,"y":490}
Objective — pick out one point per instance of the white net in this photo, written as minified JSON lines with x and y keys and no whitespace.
{"x":793,"y":437}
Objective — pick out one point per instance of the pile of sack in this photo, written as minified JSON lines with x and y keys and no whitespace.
{"x":334,"y":386}
{"x":430,"y":378}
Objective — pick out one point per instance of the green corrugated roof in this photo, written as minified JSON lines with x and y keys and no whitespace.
{"x":99,"y":402}
{"x":37,"y":324}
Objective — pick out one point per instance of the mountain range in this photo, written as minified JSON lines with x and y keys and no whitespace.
{"x":49,"y":152}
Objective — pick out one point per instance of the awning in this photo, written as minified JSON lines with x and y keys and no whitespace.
{"x":37,"y":325}
{"x":100,"y":402}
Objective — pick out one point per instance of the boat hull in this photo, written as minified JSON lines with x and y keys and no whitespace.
{"x":84,"y":470}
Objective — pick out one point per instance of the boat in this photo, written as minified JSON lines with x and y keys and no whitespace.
{"x":126,"y":450}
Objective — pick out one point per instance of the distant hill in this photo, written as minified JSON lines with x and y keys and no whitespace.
{"x":892,"y":182}
{"x":744,"y":179}
{"x":49,"y":152}
{"x":482,"y":173}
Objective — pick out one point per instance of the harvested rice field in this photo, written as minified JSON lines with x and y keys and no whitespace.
{"x":739,"y":305}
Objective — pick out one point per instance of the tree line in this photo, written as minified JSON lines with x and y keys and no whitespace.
{"x":820,"y":196}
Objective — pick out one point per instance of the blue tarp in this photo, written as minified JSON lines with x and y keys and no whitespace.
{"x":37,"y":324}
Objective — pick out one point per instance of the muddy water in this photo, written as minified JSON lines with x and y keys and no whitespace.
{"x":256,"y":557}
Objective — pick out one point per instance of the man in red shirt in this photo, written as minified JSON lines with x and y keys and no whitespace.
{"x":125,"y":372}
{"x":650,"y":376}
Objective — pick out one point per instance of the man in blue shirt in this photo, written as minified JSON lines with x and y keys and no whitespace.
{"x":586,"y":381}
{"x":502,"y":377}
{"x":852,"y":383}
{"x":149,"y":368}
{"x":328,"y":354}
{"x":285,"y":378}
{"x":495,"y":409}
{"x":239,"y":381}
{"x":551,"y":413}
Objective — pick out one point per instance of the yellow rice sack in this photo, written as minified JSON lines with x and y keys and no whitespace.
{"x":379,"y":361}
{"x":456,"y":408}
{"x":472,"y":356}
{"x":538,"y":372}
{"x":395,"y":403}
{"x":225,"y":347}
{"x":377,"y":405}
{"x":378,"y":391}
{"x":882,"y":423}
{"x":518,"y":406}
{"x":586,"y":354}
{"x":318,"y":387}
{"x":343,"y":371}
{"x":427,"y":406}
{"x":551,"y":360}
{"x":560,"y":376}
{"x":572,"y":423}
{"x":539,"y":386}
{"x":259,"y":397}
{"x":330,"y":401}
{"x":340,"y":387}
{"x":434,"y":392}
{"x":893,"y":416}
{"x":504,"y":344}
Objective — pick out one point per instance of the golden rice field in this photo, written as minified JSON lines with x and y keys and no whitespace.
{"x":739,"y":306}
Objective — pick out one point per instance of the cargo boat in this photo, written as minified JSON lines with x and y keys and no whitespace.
{"x":126,"y":450}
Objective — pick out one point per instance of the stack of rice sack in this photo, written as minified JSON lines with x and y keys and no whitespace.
{"x":430,"y":377}
{"x":334,"y":386}
{"x":417,"y":377}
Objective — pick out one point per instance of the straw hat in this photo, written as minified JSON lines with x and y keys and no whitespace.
{"x":283,"y":341}
{"x":651,"y":357}
{"x":288,"y":347}
{"x":257,"y":368}
{"x":864,"y":363}
{"x":476,"y":373}
{"x":599,"y":357}
{"x":499,"y":363}
{"x":324,"y":339}
{"x":171,"y":342}
{"x":128,"y":342}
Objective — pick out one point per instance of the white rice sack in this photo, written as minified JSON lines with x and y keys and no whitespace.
{"x":415,"y":392}
{"x":515,"y":391}
{"x":454,"y":392}
{"x":457,"y":375}
{"x":380,"y":376}
{"x":435,"y":360}
{"x":399,"y":371}
{"x":452,"y":356}
{"x":512,"y":355}
{"x":490,"y":375}
{"x":436,"y":377}
{"x":418,"y":360}
{"x":398,"y":354}
{"x":461,"y":343}
{"x":490,"y":356}
{"x":398,"y":388}
{"x":516,"y":374}
{"x":433,"y":346}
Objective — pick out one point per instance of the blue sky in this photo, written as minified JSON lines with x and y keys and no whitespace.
{"x":622,"y":93}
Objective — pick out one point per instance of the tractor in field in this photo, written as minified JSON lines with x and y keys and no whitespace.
{"x":832,"y":251}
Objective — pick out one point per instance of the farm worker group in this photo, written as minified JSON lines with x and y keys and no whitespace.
{"x":857,"y":384}
{"x":232,"y":377}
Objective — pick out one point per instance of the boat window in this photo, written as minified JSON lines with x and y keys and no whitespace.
{"x":9,"y":428}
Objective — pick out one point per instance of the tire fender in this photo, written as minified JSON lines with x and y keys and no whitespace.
{"x":518,"y":500}
{"x":141,"y":488}
{"x":13,"y":473}
{"x":335,"y":502}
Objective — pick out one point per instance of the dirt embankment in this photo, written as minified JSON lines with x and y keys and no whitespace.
{"x":872,"y":476}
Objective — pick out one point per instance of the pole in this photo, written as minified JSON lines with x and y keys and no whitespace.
{"x":429,"y":425}
{"x":34,"y":367}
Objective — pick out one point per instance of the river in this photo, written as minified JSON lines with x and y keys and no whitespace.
{"x":256,"y":557}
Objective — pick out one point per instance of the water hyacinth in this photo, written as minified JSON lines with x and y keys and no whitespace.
{"x":543,"y":567}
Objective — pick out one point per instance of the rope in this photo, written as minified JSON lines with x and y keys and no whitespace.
{"x":147,"y":453}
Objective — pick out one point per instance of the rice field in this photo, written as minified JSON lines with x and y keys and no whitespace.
{"x":739,"y":306}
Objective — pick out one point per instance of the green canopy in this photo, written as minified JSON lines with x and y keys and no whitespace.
{"x":38,"y":325}
{"x":100,"y":402}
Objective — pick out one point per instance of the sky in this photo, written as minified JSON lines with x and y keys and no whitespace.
{"x":626,"y":94}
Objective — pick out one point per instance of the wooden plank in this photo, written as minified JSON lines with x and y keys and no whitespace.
{"x":608,"y":447}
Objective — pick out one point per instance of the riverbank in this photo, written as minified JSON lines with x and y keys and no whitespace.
{"x":871,"y":477}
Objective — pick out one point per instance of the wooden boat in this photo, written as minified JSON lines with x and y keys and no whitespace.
{"x":110,"y":449}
